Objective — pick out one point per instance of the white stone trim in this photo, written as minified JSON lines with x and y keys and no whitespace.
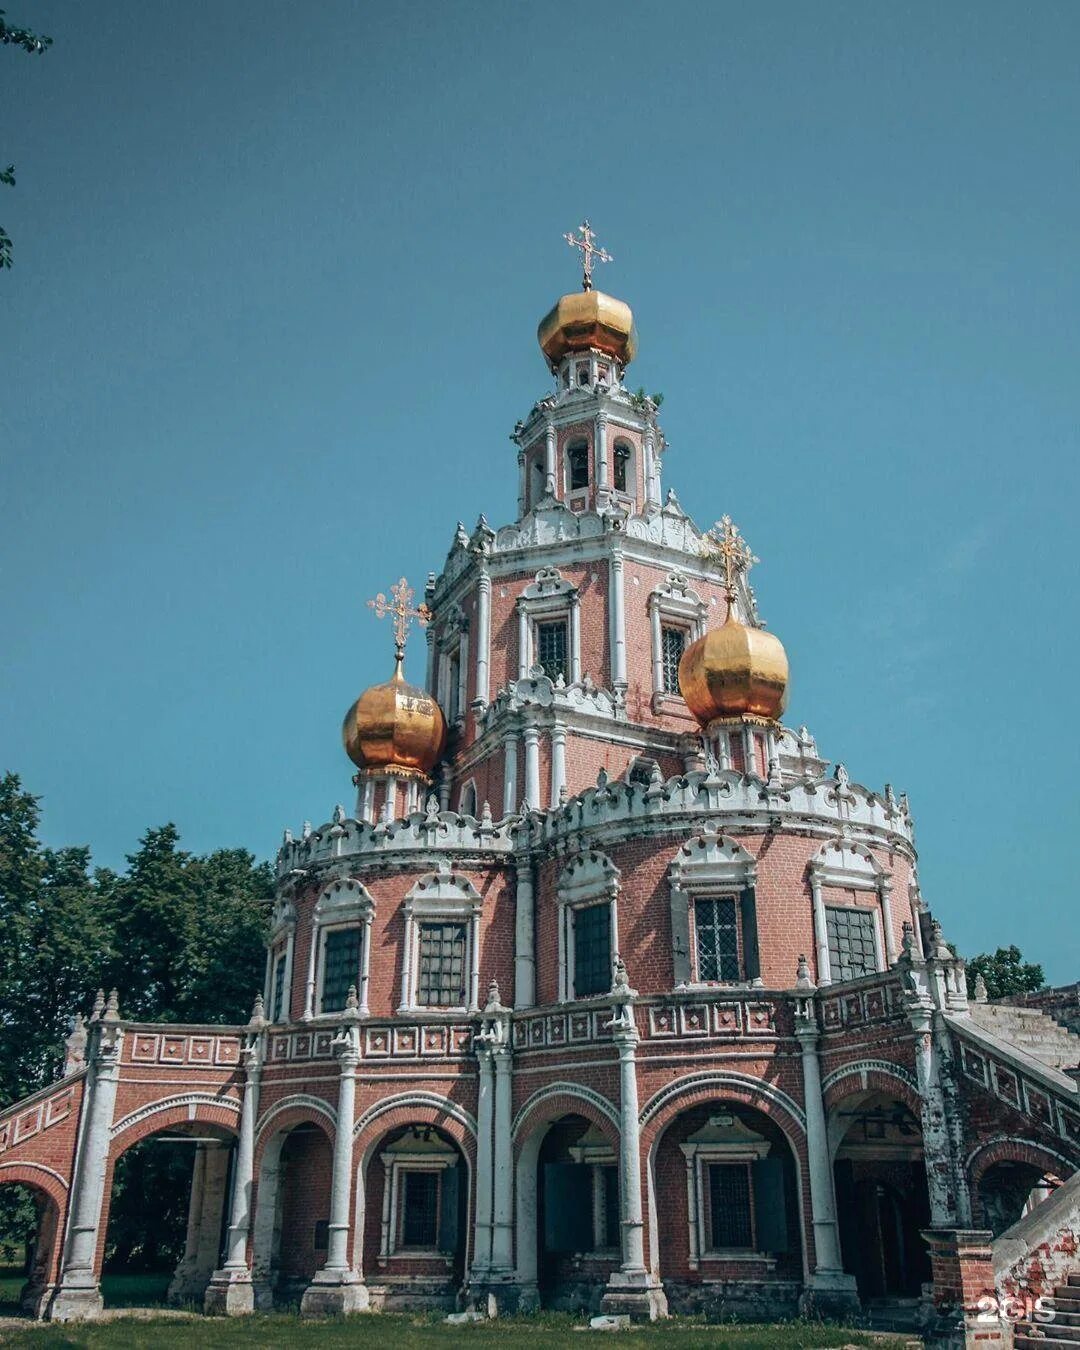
{"x":709,"y":865}
{"x":412,"y":1099}
{"x":342,"y":903}
{"x":847,"y":865}
{"x":699,"y":1155}
{"x":547,"y":599}
{"x":867,"y":1066}
{"x":589,"y":879}
{"x":441,"y":895}
{"x":561,"y":1089}
{"x":712,"y":1079}
{"x":397,"y":1162}
{"x":302,"y":1101}
{"x":191,"y":1100}
{"x":37,"y":1167}
{"x":672,"y":604}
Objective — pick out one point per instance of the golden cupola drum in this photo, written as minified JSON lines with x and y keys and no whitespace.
{"x":395,"y":726}
{"x":735,"y":671}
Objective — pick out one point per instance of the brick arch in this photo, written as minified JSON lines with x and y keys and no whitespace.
{"x":282,"y":1117}
{"x":37,"y":1177}
{"x":871,"y":1076}
{"x":288,"y":1112}
{"x":564,"y":1099}
{"x":51,"y":1187}
{"x":1009,"y":1148}
{"x":191,"y":1109}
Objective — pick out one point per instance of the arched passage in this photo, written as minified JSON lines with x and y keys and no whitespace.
{"x":34,"y":1201}
{"x":881,"y":1192}
{"x":291,"y":1232}
{"x":1010,"y":1176}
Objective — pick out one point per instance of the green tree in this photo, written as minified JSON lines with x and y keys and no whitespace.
{"x":14,"y":36}
{"x":1005,"y":972}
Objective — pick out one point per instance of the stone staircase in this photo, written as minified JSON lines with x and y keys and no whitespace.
{"x":1062,"y":1331}
{"x":1031,"y":1031}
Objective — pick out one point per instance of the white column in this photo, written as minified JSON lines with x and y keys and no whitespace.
{"x":524,"y":938}
{"x":558,"y":762}
{"x":484,"y":1117}
{"x":749,"y":754}
{"x":885,"y":894}
{"x":523,"y":641}
{"x":575,"y":638}
{"x":652,"y":469}
{"x":483,"y":636}
{"x":822,"y":1193}
{"x":510,"y":746}
{"x":657,"y":648}
{"x":633,"y":1226}
{"x":367,"y":812}
{"x":523,"y":485}
{"x":365,"y":963}
{"x":78,"y":1295}
{"x":821,"y":932}
{"x":549,"y":460}
{"x":502,"y":1234}
{"x":618,"y":622}
{"x":603,"y":477}
{"x":243,"y":1171}
{"x":389,"y":811}
{"x":532,"y":768}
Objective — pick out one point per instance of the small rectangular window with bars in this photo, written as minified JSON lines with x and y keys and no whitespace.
{"x":277,"y":996}
{"x":341,"y":966}
{"x":551,"y":648}
{"x":731,"y":1222}
{"x":716,"y":924}
{"x":673,"y":644}
{"x":851,"y":942}
{"x":419,"y":1209}
{"x":441,"y":982}
{"x":592,"y":950}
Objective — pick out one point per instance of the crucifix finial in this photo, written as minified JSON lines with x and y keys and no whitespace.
{"x":400,"y":609}
{"x":725,"y":545}
{"x":589,"y":252}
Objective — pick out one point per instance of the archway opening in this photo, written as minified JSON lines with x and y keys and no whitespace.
{"x":292,"y":1214}
{"x":881,"y":1196}
{"x":29,"y":1248}
{"x":414,"y":1218}
{"x":578,"y":1235}
{"x":727,"y":1176}
{"x":1008,"y":1190}
{"x":168,"y":1206}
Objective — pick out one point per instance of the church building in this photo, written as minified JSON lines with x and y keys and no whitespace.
{"x":609,"y":990}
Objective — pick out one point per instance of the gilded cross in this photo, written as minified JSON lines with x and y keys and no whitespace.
{"x":400,"y":609}
{"x":589,"y":252}
{"x":725,"y":545}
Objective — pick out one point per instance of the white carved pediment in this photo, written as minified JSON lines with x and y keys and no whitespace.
{"x":589,"y":875}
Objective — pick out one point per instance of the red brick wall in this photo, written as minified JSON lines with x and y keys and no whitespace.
{"x":305,"y":1201}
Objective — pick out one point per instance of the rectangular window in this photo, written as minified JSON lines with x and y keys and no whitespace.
{"x":622,"y":457}
{"x":851,"y":942}
{"x":277,"y":997}
{"x":730,"y":1221}
{"x":716,"y":924}
{"x":673,"y":644}
{"x":341,"y":967}
{"x":453,"y":688}
{"x":592,"y":950}
{"x":419,"y":1209}
{"x":551,"y":648}
{"x":442,"y":966}
{"x":578,"y":457}
{"x":612,"y":1218}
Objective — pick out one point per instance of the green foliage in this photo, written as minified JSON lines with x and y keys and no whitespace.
{"x":11,"y":36}
{"x":151,"y":1178}
{"x":1006,"y":972}
{"x":641,"y":400}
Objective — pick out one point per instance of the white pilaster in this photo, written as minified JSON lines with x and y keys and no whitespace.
{"x":510,"y":758}
{"x":558,"y":762}
{"x":885,"y":895}
{"x":575,"y":638}
{"x":483,"y":636}
{"x":618,"y":621}
{"x":524,"y":936}
{"x":821,"y":932}
{"x":485,"y":1115}
{"x":532,"y":768}
{"x":657,"y":649}
{"x":523,"y":642}
{"x":549,"y":460}
{"x":502,"y":1235}
{"x":603,"y":475}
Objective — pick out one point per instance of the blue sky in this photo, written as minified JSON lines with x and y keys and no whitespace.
{"x":272,"y":318}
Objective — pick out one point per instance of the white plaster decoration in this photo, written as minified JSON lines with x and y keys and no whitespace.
{"x":510,"y":759}
{"x":848,"y":865}
{"x":415,"y":1099}
{"x":298,"y":1100}
{"x":618,"y":621}
{"x":191,"y":1100}
{"x":344,"y":903}
{"x":558,"y":762}
{"x":485,"y":1115}
{"x":502,"y":1239}
{"x":524,"y":934}
{"x":284,"y":926}
{"x":531,"y":737}
{"x":243,"y":1167}
{"x":483,"y":636}
{"x":563,"y":1089}
{"x":447,"y":896}
{"x":724,"y":1138}
{"x":549,"y":459}
{"x":603,"y":477}
{"x":590,"y":878}
{"x":719,"y":1081}
{"x":829,"y":1262}
{"x":407,"y":1155}
{"x":548,"y":598}
{"x":652,"y":469}
{"x":709,"y":866}
{"x":389,"y":811}
{"x":367,"y":812}
{"x":673,"y":603}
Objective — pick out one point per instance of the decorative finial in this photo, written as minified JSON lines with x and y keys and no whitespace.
{"x":589,"y":252}
{"x":802,"y":974}
{"x":99,"y":1006}
{"x":400,"y":608}
{"x":112,"y":1007}
{"x":981,"y":993}
{"x":75,"y":1046}
{"x":725,"y":545}
{"x":907,"y":944}
{"x":494,"y":1003}
{"x":258,"y":1014}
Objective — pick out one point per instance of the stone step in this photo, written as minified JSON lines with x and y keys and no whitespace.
{"x":1038,"y":1341}
{"x":1074,"y":1280}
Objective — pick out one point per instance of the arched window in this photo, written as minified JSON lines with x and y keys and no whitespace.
{"x":467,"y":800}
{"x":577,"y":459}
{"x":622,"y":467}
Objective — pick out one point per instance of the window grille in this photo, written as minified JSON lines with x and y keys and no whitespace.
{"x":851,"y":942}
{"x":419,"y":1209}
{"x":441,"y":982}
{"x":717,"y":926}
{"x":277,"y":998}
{"x":673,"y":644}
{"x":592,"y":950}
{"x":622,"y":459}
{"x":341,"y":967}
{"x":551,"y":648}
{"x":730,"y":1221}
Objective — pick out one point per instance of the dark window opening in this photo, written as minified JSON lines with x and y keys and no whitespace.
{"x":453,"y":688}
{"x":717,"y":926}
{"x":578,"y":460}
{"x":341,"y":967}
{"x":321,"y":1238}
{"x":622,"y":459}
{"x":419,"y":1209}
{"x":851,"y":942}
{"x":673,"y":644}
{"x":730,"y":1222}
{"x":612,"y":1224}
{"x":277,"y":998}
{"x":592,"y":950}
{"x":551,"y":648}
{"x":442,"y":965}
{"x":583,"y":375}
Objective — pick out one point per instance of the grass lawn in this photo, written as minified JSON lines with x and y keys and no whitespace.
{"x":390,"y":1332}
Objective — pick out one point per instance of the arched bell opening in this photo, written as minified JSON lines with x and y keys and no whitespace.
{"x":882,"y":1199}
{"x":29,"y":1249}
{"x":167,"y":1211}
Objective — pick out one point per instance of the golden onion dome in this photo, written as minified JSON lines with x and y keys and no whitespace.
{"x":395,"y":726}
{"x":588,"y":320}
{"x":734,"y":671}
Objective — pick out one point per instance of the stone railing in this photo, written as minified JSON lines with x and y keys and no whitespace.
{"x":1042,"y":1249}
{"x":42,"y":1110}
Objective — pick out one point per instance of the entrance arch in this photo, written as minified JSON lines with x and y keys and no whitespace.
{"x":291,"y":1229}
{"x":44,"y":1201}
